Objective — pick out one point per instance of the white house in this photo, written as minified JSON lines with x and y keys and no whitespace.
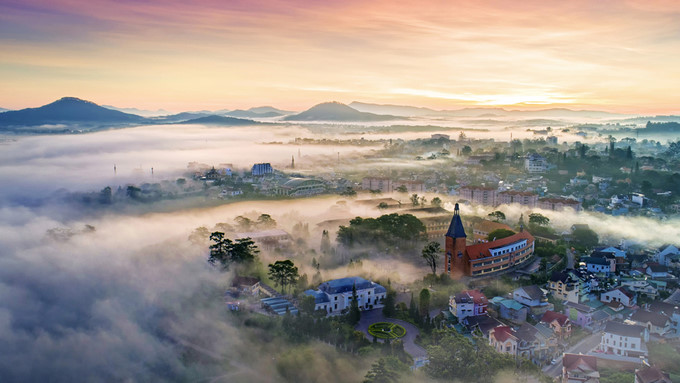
{"x":638,"y":198}
{"x":624,"y":340}
{"x":531,"y":296}
{"x":619,"y":294}
{"x":335,"y":296}
{"x":468,"y":303}
{"x":535,"y":163}
{"x":618,"y":253}
{"x":667,"y":255}
{"x":657,"y":271}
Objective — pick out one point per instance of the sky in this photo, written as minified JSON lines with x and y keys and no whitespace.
{"x":621,"y":56}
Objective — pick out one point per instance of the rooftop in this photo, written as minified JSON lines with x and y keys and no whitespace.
{"x":623,"y":329}
{"x":481,"y":250}
{"x":456,"y":229}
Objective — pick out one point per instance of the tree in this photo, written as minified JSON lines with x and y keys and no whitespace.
{"x":224,"y":251}
{"x":265,"y":221}
{"x":105,"y":196}
{"x":388,"y":304}
{"x":436,"y":201}
{"x":243,"y":223}
{"x":308,"y":304}
{"x":379,"y":373}
{"x":283,"y":273}
{"x":499,"y":233}
{"x":431,"y":255}
{"x":325,"y":243}
{"x":538,"y":219}
{"x":414,"y":199}
{"x":402,"y":189}
{"x":383,"y":205}
{"x":466,"y":150}
{"x":354,"y":312}
{"x":585,"y":237}
{"x":520,"y":223}
{"x":349,"y":192}
{"x":424,"y":302}
{"x":497,"y":215}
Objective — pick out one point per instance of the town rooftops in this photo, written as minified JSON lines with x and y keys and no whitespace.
{"x":622,"y":329}
{"x":482,"y":250}
{"x":600,"y":315}
{"x":551,"y":316}
{"x":512,"y":304}
{"x":625,"y":292}
{"x":644,"y":316}
{"x":489,"y":226}
{"x":503,"y":333}
{"x":564,"y":201}
{"x":657,"y":268}
{"x":579,"y":307}
{"x":344,"y":285}
{"x":651,"y":375}
{"x":471,"y":296}
{"x":533,"y":291}
{"x":319,"y":297}
{"x":456,"y":229}
{"x":578,"y":361}
{"x":517,"y":192}
{"x":244,"y":281}
{"x":596,"y":261}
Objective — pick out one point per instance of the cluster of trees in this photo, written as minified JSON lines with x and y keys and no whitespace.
{"x":224,"y":251}
{"x":283,"y":273}
{"x":454,"y":357}
{"x":387,"y":229}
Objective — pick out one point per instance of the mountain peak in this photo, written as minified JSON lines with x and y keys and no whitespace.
{"x":337,"y":111}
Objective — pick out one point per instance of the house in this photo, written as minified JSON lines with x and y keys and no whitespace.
{"x":580,"y":314}
{"x":535,"y":163}
{"x":655,"y":322}
{"x":624,"y":339}
{"x":640,"y":286}
{"x":657,"y":271}
{"x":565,"y":286}
{"x":621,"y":295}
{"x":578,"y":368}
{"x":245,"y":285}
{"x":468,"y":303}
{"x":531,"y":296}
{"x":482,"y":229}
{"x":536,"y":343}
{"x":667,"y":254}
{"x":598,"y":265}
{"x":481,"y":323}
{"x":503,"y":340}
{"x":482,"y":259}
{"x":558,"y":322}
{"x":335,"y":296}
{"x":298,"y":187}
{"x":648,"y":374}
{"x":618,"y":253}
{"x":513,"y":311}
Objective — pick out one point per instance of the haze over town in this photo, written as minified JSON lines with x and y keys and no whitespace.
{"x":271,"y":191}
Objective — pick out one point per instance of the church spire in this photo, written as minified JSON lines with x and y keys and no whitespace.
{"x":456,"y":229}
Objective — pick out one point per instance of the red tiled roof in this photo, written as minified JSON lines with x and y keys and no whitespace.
{"x":652,"y":375}
{"x":503,"y":333}
{"x":481,"y":250}
{"x":551,"y":316}
{"x":572,"y":361}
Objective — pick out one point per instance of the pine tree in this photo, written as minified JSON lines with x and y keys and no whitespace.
{"x":354,"y":313}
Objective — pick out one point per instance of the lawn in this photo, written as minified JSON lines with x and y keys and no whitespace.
{"x":386,"y":330}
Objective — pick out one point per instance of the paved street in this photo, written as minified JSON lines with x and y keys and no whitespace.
{"x":583,"y":347}
{"x":373,"y":316}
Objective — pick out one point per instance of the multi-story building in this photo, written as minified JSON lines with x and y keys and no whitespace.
{"x":262,"y":169}
{"x":435,"y":227}
{"x":559,"y":204}
{"x":624,"y":340}
{"x":484,"y":258}
{"x":410,"y":185}
{"x":655,"y":322}
{"x":479,"y":195}
{"x":535,"y":163}
{"x":532,"y":297}
{"x":527,"y":199}
{"x":468,"y":303}
{"x":503,"y":340}
{"x":565,"y":286}
{"x":335,"y":296}
{"x":377,"y":183}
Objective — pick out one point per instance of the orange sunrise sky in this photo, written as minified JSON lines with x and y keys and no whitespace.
{"x":619,"y":56}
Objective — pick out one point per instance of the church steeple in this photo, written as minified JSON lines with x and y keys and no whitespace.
{"x":456,"y":229}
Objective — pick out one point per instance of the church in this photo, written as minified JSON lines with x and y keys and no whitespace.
{"x":485,"y":258}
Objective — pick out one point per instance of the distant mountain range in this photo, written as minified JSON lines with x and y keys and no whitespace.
{"x":70,"y":114}
{"x":139,"y":112}
{"x":412,"y":111}
{"x":67,"y":110}
{"x":335,"y":111}
{"x":219,"y":120}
